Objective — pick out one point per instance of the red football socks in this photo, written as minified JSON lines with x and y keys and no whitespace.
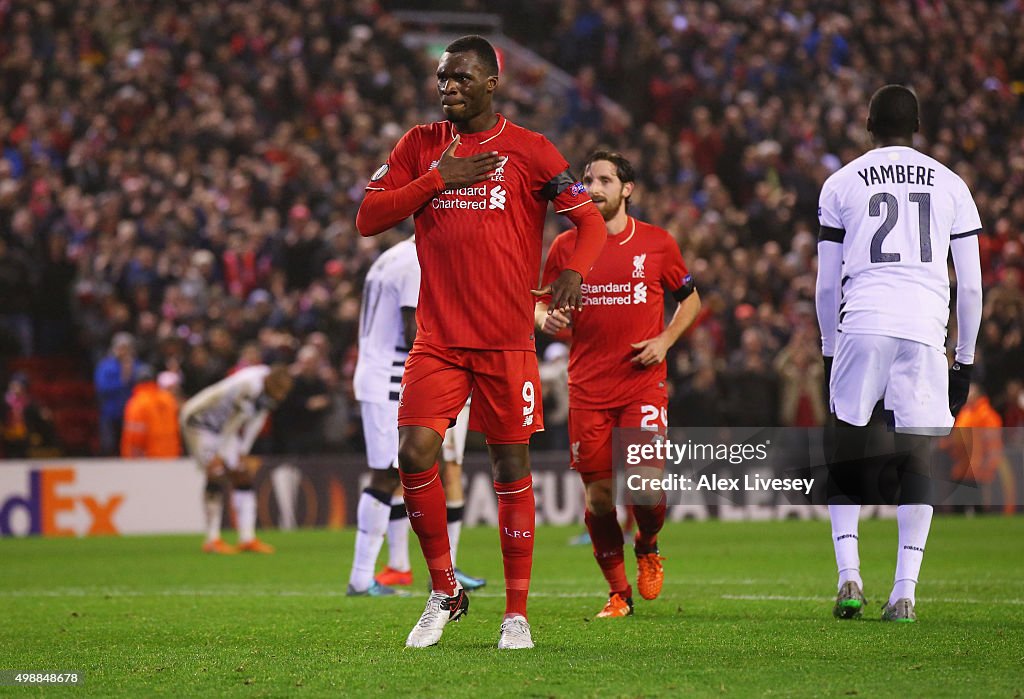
{"x":606,"y":537}
{"x":428,"y":516}
{"x":649,"y":521}
{"x":516,"y":520}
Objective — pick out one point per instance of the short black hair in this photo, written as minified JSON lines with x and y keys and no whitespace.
{"x":475,"y":43}
{"x":623,"y":168}
{"x":893,"y":112}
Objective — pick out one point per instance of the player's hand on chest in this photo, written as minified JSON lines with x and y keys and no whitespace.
{"x":462,"y":166}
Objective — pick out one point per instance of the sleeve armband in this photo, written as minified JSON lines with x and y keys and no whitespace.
{"x":557,"y":184}
{"x":831,"y":235}
{"x":683,"y":292}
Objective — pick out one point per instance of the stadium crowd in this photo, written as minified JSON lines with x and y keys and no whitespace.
{"x":188,"y":173}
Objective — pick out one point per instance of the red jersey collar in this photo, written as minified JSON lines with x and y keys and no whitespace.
{"x":481,"y":137}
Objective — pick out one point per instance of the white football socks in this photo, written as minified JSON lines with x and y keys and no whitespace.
{"x":213,"y":504}
{"x":244,"y":502}
{"x":914,"y":521}
{"x":398,"y":539}
{"x":845,"y":521}
{"x":454,"y":527}
{"x":372,"y":521}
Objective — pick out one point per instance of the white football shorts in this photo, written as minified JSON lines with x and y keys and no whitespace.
{"x":912,"y":377}
{"x":204,"y":446}
{"x":380,"y":431}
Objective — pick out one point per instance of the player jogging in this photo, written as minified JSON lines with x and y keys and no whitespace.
{"x":617,"y":365}
{"x":220,"y":424}
{"x":889,"y":220}
{"x":387,"y":327}
{"x":478,"y":187}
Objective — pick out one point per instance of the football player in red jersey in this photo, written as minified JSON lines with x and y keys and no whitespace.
{"x":617,"y":364}
{"x":477,"y":187}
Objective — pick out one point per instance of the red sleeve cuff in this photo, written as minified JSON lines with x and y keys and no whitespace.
{"x":590,"y":237}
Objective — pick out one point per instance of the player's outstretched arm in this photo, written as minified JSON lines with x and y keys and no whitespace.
{"x":652,"y":351}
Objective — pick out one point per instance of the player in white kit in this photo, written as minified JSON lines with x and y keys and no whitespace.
{"x":220,"y":424}
{"x":889,"y":220}
{"x":387,"y":328}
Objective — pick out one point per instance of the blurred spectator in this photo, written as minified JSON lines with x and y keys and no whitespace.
{"x":801,"y":377}
{"x":150,"y":419}
{"x":115,"y":377}
{"x":977,"y":450}
{"x":16,"y":292}
{"x":750,"y":385}
{"x":26,"y":425}
{"x":299,"y":424}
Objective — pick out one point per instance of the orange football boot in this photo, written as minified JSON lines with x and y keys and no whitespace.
{"x":218,"y":546}
{"x":616,"y":607}
{"x":390,"y":577}
{"x":255,"y":546}
{"x":650,"y":574}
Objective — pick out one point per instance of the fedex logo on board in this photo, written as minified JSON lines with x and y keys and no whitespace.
{"x":50,"y":492}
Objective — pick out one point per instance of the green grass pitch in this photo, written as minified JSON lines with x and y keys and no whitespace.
{"x":745,"y":612}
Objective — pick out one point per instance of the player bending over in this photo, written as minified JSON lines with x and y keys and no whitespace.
{"x":617,"y":366}
{"x":220,"y":424}
{"x":889,"y":220}
{"x":477,"y":187}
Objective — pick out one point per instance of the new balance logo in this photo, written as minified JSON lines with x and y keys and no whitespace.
{"x":517,"y":534}
{"x":528,"y":420}
{"x":640,"y":293}
{"x":497,"y":200}
{"x":574,"y":452}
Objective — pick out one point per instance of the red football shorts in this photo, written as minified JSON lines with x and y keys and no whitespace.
{"x":505,"y":385}
{"x":590,"y":433}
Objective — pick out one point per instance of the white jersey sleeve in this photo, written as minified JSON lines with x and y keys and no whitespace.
{"x":966,"y":220}
{"x":895,"y":211}
{"x":393,"y":283}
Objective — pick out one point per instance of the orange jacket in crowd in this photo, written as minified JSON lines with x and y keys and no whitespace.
{"x":151,"y":423}
{"x":982,"y":450}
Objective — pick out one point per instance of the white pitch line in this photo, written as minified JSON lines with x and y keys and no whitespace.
{"x":945,"y":600}
{"x":247,"y":592}
{"x":332,"y":592}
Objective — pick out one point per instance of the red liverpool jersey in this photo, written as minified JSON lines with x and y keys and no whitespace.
{"x":623,"y":303}
{"x":479,"y":247}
